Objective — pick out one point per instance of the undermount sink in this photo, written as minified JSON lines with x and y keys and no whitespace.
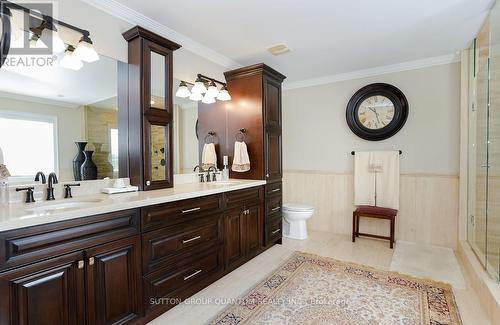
{"x":224,"y":183}
{"x":50,"y":207}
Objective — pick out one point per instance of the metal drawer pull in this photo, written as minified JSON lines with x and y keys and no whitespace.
{"x":276,"y":190}
{"x":189,"y":240}
{"x":276,"y":231}
{"x":81,"y":264}
{"x":192,"y":275}
{"x":191,"y":210}
{"x":275,"y":209}
{"x":91,"y":261}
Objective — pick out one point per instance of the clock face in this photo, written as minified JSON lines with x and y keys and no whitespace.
{"x":376,"y":112}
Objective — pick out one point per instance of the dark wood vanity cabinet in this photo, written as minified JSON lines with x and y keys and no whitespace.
{"x":83,"y":271}
{"x":147,"y":154}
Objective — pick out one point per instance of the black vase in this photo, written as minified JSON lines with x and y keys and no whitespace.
{"x":78,"y":161}
{"x":89,"y":168}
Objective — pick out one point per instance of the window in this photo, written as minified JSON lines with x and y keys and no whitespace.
{"x":28,"y":143}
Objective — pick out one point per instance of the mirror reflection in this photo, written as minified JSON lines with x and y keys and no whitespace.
{"x":186,"y":155}
{"x":49,"y":117}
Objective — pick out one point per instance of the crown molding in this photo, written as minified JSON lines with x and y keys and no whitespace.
{"x":404,"y":66}
{"x":133,"y":17}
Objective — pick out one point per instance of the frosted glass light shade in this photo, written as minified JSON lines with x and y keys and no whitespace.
{"x":208,"y":99}
{"x":196,"y":96}
{"x":85,"y":52}
{"x":70,"y":61}
{"x":183,"y":90}
{"x":58,"y":45}
{"x":199,"y":87}
{"x":224,"y":94}
{"x":212,"y":90}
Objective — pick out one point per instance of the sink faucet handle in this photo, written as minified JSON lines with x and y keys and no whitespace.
{"x":29,"y":193}
{"x":67,"y":190}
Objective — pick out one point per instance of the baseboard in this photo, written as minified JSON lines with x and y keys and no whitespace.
{"x":486,"y":288}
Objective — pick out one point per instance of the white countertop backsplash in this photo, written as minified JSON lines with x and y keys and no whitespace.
{"x":17,"y":214}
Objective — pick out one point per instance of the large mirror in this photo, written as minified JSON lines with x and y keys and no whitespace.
{"x":186,"y":153}
{"x":54,"y":119}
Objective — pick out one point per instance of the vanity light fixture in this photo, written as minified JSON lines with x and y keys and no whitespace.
{"x":224,"y":94}
{"x":199,"y":86}
{"x":70,"y":61}
{"x":85,"y":50}
{"x":44,"y":33}
{"x":183,"y":90}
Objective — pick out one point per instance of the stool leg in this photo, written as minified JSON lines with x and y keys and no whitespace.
{"x":392,"y":232}
{"x":353,"y":227}
{"x":357,"y":225}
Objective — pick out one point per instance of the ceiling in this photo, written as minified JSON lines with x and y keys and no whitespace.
{"x":325,"y":37}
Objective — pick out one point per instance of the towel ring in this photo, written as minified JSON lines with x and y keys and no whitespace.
{"x":241,"y":135}
{"x":210,"y":137}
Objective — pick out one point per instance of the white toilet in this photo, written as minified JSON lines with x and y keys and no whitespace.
{"x":294,"y":220}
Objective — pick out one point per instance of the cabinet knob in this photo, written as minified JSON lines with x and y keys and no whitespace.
{"x":267,"y":175}
{"x":148,"y":183}
{"x":81,"y":264}
{"x":91,"y":261}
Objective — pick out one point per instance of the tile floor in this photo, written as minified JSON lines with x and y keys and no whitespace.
{"x":207,"y":303}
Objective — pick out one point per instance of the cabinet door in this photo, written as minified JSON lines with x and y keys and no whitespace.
{"x":272,"y":103}
{"x":49,"y":292}
{"x":254,"y":230}
{"x":158,"y":160}
{"x":272,"y":154}
{"x":234,"y":238}
{"x":113,"y":277}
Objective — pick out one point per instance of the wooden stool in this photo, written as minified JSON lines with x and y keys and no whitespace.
{"x":373,"y":212}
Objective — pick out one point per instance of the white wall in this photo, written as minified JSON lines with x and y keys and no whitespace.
{"x":106,"y":32}
{"x":316,"y":135}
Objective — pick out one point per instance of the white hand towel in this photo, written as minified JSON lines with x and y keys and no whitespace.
{"x":241,"y":160}
{"x":386,"y":165}
{"x":208,"y":156}
{"x":364,"y":180}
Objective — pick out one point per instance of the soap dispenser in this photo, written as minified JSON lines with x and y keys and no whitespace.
{"x":225,"y":170}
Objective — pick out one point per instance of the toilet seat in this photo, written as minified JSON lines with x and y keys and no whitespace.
{"x":297,"y":207}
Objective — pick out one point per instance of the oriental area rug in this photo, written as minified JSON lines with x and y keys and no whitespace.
{"x":309,"y":289}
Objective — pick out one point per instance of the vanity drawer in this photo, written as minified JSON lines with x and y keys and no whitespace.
{"x":274,"y":189}
{"x":160,"y":245}
{"x":31,"y":244}
{"x":273,"y":208}
{"x":243,"y":197}
{"x":274,"y":231}
{"x":182,"y":279}
{"x":172,"y":213}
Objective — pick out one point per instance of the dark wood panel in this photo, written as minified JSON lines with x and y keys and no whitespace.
{"x":159,"y":246}
{"x":114,"y":291}
{"x":254,"y":230}
{"x":273,"y":207}
{"x":27,"y":245}
{"x":45,"y":293}
{"x":235,"y":229}
{"x":243,"y":197}
{"x":272,"y":103}
{"x":157,"y":216}
{"x":273,"y":155}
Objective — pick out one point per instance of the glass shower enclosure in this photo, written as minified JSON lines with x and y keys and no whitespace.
{"x":483,"y":231}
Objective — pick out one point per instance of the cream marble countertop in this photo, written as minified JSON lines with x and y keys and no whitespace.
{"x":19,"y":215}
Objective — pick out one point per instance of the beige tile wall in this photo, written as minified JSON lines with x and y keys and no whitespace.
{"x":428,"y":205}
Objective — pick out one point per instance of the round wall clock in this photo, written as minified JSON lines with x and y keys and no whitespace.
{"x":377,"y":112}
